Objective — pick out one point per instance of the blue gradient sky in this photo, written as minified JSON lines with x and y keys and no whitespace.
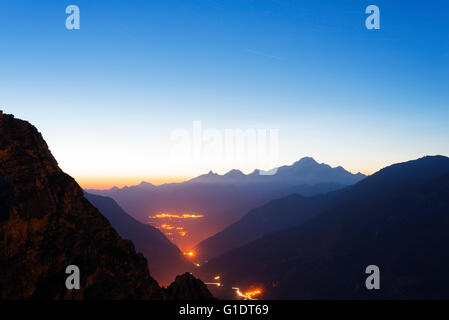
{"x":108,"y":96}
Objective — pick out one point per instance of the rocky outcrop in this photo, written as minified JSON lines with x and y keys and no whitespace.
{"x":187,"y":287}
{"x":46,"y":224}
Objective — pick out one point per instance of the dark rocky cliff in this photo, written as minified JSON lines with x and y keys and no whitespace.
{"x":165,"y":260}
{"x":46,"y":224}
{"x":187,"y":287}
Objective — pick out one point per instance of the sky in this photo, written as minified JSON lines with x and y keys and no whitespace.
{"x":113,"y":98}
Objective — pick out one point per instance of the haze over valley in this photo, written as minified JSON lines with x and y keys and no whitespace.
{"x":189,"y":212}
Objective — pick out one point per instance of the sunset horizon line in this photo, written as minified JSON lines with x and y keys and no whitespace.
{"x":120,"y":182}
{"x":109,"y":182}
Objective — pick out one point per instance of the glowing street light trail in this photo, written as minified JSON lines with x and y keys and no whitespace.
{"x":249,"y":295}
{"x":176,"y":216}
{"x":218,"y":284}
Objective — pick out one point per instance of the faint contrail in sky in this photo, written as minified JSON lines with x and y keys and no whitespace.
{"x":263,"y":54}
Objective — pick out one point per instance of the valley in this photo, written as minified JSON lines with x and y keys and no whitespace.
{"x":191,"y":212}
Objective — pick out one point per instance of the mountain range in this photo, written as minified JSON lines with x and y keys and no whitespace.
{"x":305,"y":171}
{"x":276,"y":215}
{"x":396,"y":219}
{"x":224,"y":199}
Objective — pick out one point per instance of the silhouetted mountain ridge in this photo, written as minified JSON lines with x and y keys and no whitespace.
{"x":165,"y":260}
{"x":304,"y":171}
{"x":276,"y":215}
{"x":396,"y":219}
{"x":224,"y":199}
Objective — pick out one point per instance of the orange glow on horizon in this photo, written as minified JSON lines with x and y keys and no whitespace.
{"x":105,"y":183}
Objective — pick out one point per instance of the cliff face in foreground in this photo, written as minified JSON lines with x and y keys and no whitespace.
{"x":46,"y":224}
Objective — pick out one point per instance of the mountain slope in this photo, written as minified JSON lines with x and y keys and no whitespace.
{"x":396,"y":219}
{"x":164,"y":258}
{"x":276,"y":215}
{"x":46,"y":224}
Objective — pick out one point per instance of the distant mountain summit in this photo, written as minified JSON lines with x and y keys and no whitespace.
{"x":234,"y":174}
{"x":306,"y":171}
